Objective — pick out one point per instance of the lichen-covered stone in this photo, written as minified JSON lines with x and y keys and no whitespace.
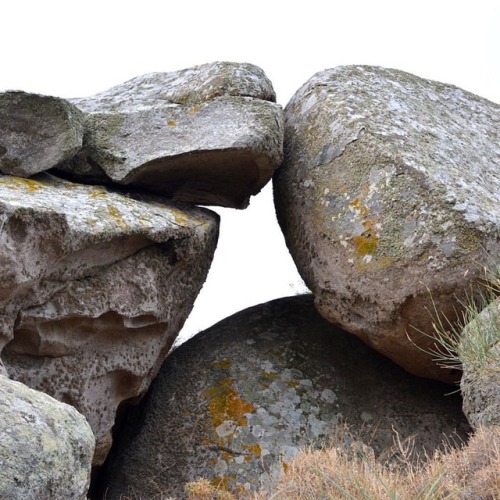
{"x":480,"y":383}
{"x":46,"y":447}
{"x":94,"y":287}
{"x":37,"y":132}
{"x":235,"y":403}
{"x":210,"y":135}
{"x":389,"y":202}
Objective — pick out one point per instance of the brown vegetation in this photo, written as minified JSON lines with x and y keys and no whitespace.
{"x":472,"y":472}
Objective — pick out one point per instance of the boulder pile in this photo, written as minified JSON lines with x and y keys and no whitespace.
{"x":387,"y":191}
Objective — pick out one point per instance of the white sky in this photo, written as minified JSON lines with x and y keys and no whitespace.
{"x":70,"y":49}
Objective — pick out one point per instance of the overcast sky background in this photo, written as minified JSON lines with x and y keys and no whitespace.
{"x":73,"y":49}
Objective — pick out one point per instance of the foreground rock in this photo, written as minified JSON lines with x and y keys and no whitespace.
{"x":389,"y":195}
{"x":210,"y":135}
{"x":94,"y":287}
{"x":37,"y":132}
{"x":236,"y":403}
{"x":480,"y":383}
{"x":46,"y":447}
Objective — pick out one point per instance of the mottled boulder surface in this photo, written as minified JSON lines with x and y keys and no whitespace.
{"x":210,"y":135}
{"x":94,"y":287}
{"x":236,"y":402}
{"x":388,"y":196}
{"x":37,"y":132}
{"x":480,"y":383}
{"x":46,"y":447}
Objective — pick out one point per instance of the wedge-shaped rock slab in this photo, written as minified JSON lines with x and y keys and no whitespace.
{"x":37,"y":132}
{"x":46,"y":447}
{"x":389,"y":200}
{"x":235,"y":403}
{"x":210,"y":135}
{"x":95,"y":286}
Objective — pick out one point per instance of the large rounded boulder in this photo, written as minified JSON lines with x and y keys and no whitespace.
{"x":388,"y":198}
{"x":237,"y":402}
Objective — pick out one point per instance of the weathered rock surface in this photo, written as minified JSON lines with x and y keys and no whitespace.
{"x":37,"y":132}
{"x":210,"y":135}
{"x":480,"y":383}
{"x":389,"y":193}
{"x":46,"y":447}
{"x":94,"y":287}
{"x":236,"y":402}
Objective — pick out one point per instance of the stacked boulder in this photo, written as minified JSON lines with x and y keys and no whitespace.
{"x":102,"y":252}
{"x":389,"y":202}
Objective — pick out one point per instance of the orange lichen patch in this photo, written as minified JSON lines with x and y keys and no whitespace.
{"x":361,"y":209}
{"x":29,"y":185}
{"x":367,"y":242}
{"x":117,"y":216}
{"x":195,"y":109}
{"x":222,"y":364}
{"x":171,"y":123}
{"x":254,"y":449}
{"x":226,"y":404}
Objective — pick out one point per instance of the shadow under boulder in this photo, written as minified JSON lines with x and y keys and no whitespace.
{"x":237,"y":402}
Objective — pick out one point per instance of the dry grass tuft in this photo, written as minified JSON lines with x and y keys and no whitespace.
{"x":472,"y":472}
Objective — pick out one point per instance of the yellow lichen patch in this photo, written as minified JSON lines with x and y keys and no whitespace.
{"x":98,"y":192}
{"x":367,"y":243}
{"x":195,"y":109}
{"x":29,"y":185}
{"x":180,"y":217}
{"x":225,"y":404}
{"x":285,"y":467}
{"x":171,"y":123}
{"x":117,"y":216}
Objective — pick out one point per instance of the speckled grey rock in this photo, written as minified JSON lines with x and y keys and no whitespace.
{"x":37,"y":132}
{"x":210,"y":135}
{"x":46,"y":447}
{"x":389,"y":194}
{"x":237,"y":402}
{"x":94,"y":287}
{"x":480,"y":383}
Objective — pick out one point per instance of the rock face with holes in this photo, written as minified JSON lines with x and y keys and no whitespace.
{"x":46,"y":447}
{"x":480,"y":383}
{"x":389,"y":202}
{"x":94,"y":287}
{"x":210,"y":135}
{"x":37,"y":132}
{"x":236,"y":402}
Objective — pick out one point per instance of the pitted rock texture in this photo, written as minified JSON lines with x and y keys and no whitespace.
{"x":235,"y":403}
{"x":95,"y":286}
{"x":37,"y":132}
{"x":389,"y":202}
{"x":46,"y":447}
{"x":480,"y":383}
{"x":210,"y":135}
